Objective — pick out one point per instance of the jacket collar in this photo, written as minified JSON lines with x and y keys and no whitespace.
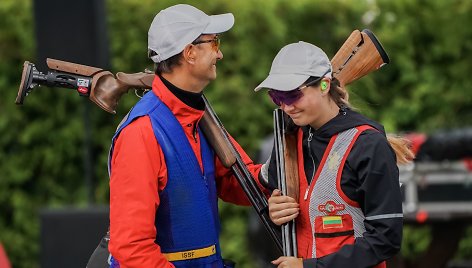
{"x":185,"y":114}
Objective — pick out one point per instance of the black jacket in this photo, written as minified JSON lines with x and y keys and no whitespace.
{"x":370,"y":177}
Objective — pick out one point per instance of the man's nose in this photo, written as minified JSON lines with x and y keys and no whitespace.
{"x":219,"y":55}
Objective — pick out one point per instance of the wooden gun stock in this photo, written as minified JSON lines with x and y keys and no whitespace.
{"x":73,"y":68}
{"x":360,"y":54}
{"x":107,"y":90}
{"x":291,"y":165}
{"x":215,"y":137}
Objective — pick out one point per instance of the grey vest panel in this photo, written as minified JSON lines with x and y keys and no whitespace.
{"x":325,"y":189}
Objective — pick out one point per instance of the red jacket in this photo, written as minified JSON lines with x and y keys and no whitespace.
{"x":139,"y":172}
{"x":4,"y":262}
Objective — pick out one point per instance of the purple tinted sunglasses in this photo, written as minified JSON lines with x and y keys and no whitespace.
{"x":287,"y":97}
{"x":292,"y":96}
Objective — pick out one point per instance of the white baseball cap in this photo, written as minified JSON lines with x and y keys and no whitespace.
{"x":177,"y":26}
{"x":294,"y":64}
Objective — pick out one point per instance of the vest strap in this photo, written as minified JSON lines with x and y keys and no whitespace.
{"x":191,"y":254}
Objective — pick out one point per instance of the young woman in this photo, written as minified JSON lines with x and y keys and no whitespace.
{"x":349,"y":213}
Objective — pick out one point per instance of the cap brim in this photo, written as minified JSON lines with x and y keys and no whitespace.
{"x":282,"y":82}
{"x":219,"y":24}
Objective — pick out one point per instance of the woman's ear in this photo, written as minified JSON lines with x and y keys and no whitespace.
{"x":325,"y":85}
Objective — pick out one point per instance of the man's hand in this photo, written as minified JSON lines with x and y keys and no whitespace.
{"x":288,"y":262}
{"x":282,"y":209}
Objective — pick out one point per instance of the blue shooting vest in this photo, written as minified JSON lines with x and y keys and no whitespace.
{"x":187,"y":217}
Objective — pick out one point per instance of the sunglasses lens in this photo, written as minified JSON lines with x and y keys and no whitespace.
{"x":286,"y":97}
{"x":216,"y":43}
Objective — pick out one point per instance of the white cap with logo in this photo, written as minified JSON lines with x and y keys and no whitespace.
{"x":294,"y":64}
{"x":177,"y":26}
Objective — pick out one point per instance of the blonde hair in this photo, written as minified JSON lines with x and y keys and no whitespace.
{"x":339,"y":94}
{"x":402,"y":149}
{"x":400,"y":145}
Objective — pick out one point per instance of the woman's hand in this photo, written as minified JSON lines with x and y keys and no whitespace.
{"x":288,"y":262}
{"x":282,"y":208}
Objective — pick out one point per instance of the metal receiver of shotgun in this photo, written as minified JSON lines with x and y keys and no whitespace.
{"x":287,"y":176}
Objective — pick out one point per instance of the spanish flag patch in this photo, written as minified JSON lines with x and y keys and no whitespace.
{"x":332,"y":222}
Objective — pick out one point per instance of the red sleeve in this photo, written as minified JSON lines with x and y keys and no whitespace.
{"x":229,"y":189}
{"x":138,"y":173}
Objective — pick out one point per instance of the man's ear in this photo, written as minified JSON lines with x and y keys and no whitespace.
{"x":189,"y":53}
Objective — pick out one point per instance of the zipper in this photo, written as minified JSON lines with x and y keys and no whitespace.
{"x":195,"y":133}
{"x":306,"y":193}
{"x":310,"y":138}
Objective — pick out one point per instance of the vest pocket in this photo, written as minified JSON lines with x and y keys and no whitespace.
{"x":332,"y":232}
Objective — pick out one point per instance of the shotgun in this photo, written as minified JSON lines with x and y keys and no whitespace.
{"x":105,"y":90}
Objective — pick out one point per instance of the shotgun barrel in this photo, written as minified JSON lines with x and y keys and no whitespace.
{"x":289,"y":236}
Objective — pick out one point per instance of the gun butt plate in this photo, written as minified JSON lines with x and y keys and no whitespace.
{"x":26,"y":80}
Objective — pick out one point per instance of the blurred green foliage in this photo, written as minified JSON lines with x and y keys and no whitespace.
{"x":415,"y":241}
{"x":425,"y":87}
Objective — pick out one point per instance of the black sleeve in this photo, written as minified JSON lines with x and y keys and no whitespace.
{"x":373,"y":162}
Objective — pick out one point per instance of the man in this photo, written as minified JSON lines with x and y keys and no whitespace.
{"x":164,"y":177}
